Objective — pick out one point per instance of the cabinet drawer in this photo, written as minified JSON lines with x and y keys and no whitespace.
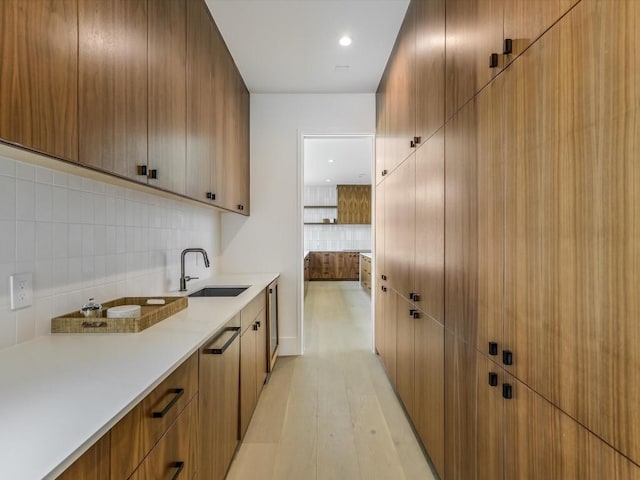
{"x":251,"y":311}
{"x":176,"y":454}
{"x":136,"y":434}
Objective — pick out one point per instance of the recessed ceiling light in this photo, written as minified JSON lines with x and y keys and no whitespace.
{"x":328,"y":180}
{"x":345,"y":41}
{"x":331,"y":160}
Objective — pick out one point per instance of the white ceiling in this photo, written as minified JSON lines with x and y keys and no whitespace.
{"x":291,"y":46}
{"x":352,"y":158}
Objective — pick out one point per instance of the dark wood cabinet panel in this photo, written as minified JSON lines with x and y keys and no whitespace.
{"x":429,"y":66}
{"x":461,"y":223}
{"x":399,"y":227}
{"x":248,"y":378}
{"x":490,"y":420}
{"x":429,"y":227}
{"x":571,"y":257}
{"x":380,"y":232}
{"x":39,"y":76}
{"x":429,"y":415}
{"x":167,"y":93}
{"x":201,"y":149}
{"x":261,"y":350}
{"x":405,"y":354}
{"x":380,"y":318}
{"x":390,"y":335}
{"x":474,"y":31}
{"x":112,"y":86}
{"x":381,"y":129}
{"x":92,"y":465}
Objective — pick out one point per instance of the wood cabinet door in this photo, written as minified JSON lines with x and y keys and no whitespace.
{"x":429,"y":227}
{"x":261,"y":351}
{"x":390,"y":335}
{"x":92,"y":465}
{"x":219,"y":397}
{"x":429,"y":67}
{"x":176,"y":454}
{"x":201,"y":149}
{"x":399,"y":227}
{"x":220,"y":169}
{"x":39,"y":76}
{"x":112,"y":86}
{"x":571,"y":257}
{"x":167,"y":94}
{"x":401,"y":94}
{"x":460,"y":309}
{"x":381,"y":295}
{"x":379,"y":232}
{"x":248,"y":378}
{"x":381,"y":129}
{"x":354,"y":204}
{"x":490,"y":420}
{"x":474,"y":32}
{"x":243,"y":168}
{"x":405,"y":353}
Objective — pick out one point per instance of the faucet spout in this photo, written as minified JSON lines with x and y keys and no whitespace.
{"x":185,"y":278}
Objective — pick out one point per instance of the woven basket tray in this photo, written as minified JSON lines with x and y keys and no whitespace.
{"x":75,"y":322}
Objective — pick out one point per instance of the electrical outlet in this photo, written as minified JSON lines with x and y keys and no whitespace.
{"x":21,"y":288}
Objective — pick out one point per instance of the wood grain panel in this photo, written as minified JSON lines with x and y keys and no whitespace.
{"x":248,"y":380}
{"x":490,"y":210}
{"x":381,"y":128}
{"x":460,"y":412}
{"x":428,"y":415}
{"x":39,"y":76}
{"x":380,"y":317}
{"x":380,"y":232}
{"x":261,"y":351}
{"x":201,"y":149}
{"x":112,"y":86}
{"x":179,"y":445}
{"x":543,"y":442}
{"x":429,"y":227}
{"x":354,"y":204}
{"x":429,"y":67}
{"x":390,"y":336}
{"x":461,"y":234}
{"x":405,"y":354}
{"x":474,"y":31}
{"x":92,"y":465}
{"x":167,"y":93}
{"x":221,"y":99}
{"x":399,"y":227}
{"x":572,"y":243}
{"x":219,"y":410}
{"x":490,"y":421}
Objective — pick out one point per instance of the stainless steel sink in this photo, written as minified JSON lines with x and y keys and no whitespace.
{"x":219,"y":291}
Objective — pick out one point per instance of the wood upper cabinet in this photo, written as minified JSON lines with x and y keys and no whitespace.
{"x":39,"y":76}
{"x":354,"y":204}
{"x":401,"y":88}
{"x":167,"y":94}
{"x":201,"y":103}
{"x":112,"y":86}
{"x":92,"y":465}
{"x":429,"y":66}
{"x":474,"y":32}
{"x":219,"y":396}
{"x":571,"y":256}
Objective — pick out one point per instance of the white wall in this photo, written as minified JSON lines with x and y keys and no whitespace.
{"x":83,"y":238}
{"x":270,"y":240}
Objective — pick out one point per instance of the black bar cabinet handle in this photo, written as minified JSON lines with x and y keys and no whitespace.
{"x":493,"y":348}
{"x":507,"y":357}
{"x":153,"y":173}
{"x":177,"y":392}
{"x":211,"y":195}
{"x":508,"y":46}
{"x":221,"y":350}
{"x":493,"y":60}
{"x":180,"y":467}
{"x":142,"y":169}
{"x":507,"y":391}
{"x":493,"y":379}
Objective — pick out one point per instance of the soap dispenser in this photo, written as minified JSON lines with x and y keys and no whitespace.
{"x":91,"y":309}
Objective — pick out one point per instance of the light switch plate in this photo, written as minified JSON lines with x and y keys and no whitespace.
{"x":21,"y":290}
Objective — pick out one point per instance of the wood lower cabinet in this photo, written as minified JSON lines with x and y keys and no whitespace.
{"x":112,"y":89}
{"x":307,"y":273}
{"x":405,"y":353}
{"x":176,"y":454}
{"x":219,"y":397}
{"x":334,"y":266}
{"x":39,"y":76}
{"x":92,"y":465}
{"x":365,"y":273}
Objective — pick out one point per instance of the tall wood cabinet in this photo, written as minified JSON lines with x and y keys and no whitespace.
{"x":513,"y":223}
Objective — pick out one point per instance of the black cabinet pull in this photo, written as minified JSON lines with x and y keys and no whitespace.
{"x":507,"y":391}
{"x":142,"y":169}
{"x":211,"y":195}
{"x":507,"y":357}
{"x":153,"y":173}
{"x":493,"y":348}
{"x":417,"y":140}
{"x":384,"y":172}
{"x":413,"y":144}
{"x":177,"y":392}
{"x":383,"y":276}
{"x":493,"y":60}
{"x":240,"y":207}
{"x":414,"y":313}
{"x":221,"y":350}
{"x":180,"y":467}
{"x":507,"y":48}
{"x":414,"y":296}
{"x":383,"y":288}
{"x":493,"y":379}
{"x":256,"y":326}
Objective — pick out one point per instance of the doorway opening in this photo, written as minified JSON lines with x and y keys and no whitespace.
{"x":336,"y":199}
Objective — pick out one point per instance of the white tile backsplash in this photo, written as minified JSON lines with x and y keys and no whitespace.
{"x":83,"y":238}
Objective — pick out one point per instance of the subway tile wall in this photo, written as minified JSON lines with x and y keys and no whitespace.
{"x":330,"y":237}
{"x":82,"y":238}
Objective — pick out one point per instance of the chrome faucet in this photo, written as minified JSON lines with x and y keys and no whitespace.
{"x":184,"y":279}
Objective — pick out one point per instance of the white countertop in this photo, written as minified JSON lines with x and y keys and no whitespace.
{"x":61,"y":393}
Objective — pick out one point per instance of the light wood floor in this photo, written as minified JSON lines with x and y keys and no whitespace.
{"x":331,"y":413}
